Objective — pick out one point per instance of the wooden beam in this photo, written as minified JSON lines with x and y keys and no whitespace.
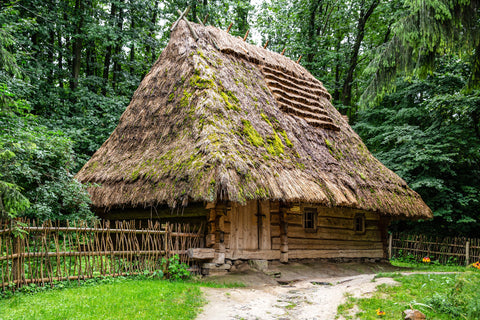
{"x":283,"y":51}
{"x":206,"y":18}
{"x":266,"y":44}
{"x":246,"y":35}
{"x":283,"y":236}
{"x":299,"y":58}
{"x":264,"y":238}
{"x":192,"y":31}
{"x":229,"y":27}
{"x":182,"y":14}
{"x":201,"y":253}
{"x":200,"y":22}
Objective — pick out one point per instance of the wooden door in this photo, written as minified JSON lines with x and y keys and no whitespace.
{"x":244,"y":226}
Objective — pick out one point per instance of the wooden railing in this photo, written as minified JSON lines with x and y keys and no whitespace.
{"x":462,"y":251}
{"x":54,"y":251}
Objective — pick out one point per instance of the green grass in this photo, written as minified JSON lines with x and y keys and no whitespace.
{"x":439,"y":296}
{"x":128,"y":299}
{"x":431,"y":267}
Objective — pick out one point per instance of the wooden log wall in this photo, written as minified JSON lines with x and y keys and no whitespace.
{"x":333,"y":237}
{"x":55,"y":251}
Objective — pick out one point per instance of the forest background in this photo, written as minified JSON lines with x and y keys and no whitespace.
{"x":406,"y":72}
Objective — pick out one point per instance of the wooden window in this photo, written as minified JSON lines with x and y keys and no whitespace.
{"x":310,"y":219}
{"x":359,"y":223}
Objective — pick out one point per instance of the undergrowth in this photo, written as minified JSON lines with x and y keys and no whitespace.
{"x":438,"y":296}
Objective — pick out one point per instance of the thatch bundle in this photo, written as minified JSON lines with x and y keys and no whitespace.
{"x":219,"y":119}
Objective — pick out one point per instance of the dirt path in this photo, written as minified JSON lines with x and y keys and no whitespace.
{"x":310,"y":294}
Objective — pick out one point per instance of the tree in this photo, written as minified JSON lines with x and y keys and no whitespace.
{"x":427,"y":132}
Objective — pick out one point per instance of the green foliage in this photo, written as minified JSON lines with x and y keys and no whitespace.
{"x":439,"y":296}
{"x":36,"y":178}
{"x":177,"y":270}
{"x":428,"y":133}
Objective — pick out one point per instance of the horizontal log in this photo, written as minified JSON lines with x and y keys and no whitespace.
{"x":318,"y":254}
{"x":303,"y":254}
{"x":328,"y":234}
{"x":253,"y":254}
{"x":301,"y":243}
{"x":84,"y":254}
{"x":201,"y":253}
{"x":96,"y":230}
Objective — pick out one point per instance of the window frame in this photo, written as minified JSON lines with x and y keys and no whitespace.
{"x":359,"y":217}
{"x":312,"y":219}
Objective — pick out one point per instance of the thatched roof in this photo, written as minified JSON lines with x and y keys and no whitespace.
{"x":219,"y":119}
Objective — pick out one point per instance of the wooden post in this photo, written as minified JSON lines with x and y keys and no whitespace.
{"x":229,"y":27}
{"x":18,"y":270}
{"x":266,"y":44}
{"x":206,"y":18}
{"x":467,"y":253}
{"x":390,"y":242}
{"x":299,"y":58}
{"x":283,"y":236}
{"x":264,"y":237}
{"x":210,"y":239}
{"x":283,"y":51}
{"x":246,"y":35}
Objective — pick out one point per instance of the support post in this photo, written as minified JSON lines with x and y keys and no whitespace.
{"x":210,"y":241}
{"x":390,"y":242}
{"x":467,"y":253}
{"x":283,"y":236}
{"x":220,"y":213}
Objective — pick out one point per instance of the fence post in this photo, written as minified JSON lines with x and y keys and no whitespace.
{"x":467,"y":253}
{"x":390,"y":242}
{"x":17,"y":263}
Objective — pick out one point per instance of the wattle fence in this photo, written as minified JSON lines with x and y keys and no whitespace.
{"x":461,"y":251}
{"x":55,"y":251}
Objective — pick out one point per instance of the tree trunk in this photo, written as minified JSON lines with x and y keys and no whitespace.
{"x":77,"y":44}
{"x":132,"y":48}
{"x":362,"y":20}
{"x":336,"y":92}
{"x":108,"y":53}
{"x":311,"y":31}
{"x":117,"y":68}
{"x":150,"y":50}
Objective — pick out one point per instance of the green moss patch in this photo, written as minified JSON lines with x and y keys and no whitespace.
{"x":252,"y":135}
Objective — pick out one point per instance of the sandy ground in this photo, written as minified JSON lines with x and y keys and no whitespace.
{"x":306,"y":291}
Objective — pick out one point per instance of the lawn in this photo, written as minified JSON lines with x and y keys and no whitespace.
{"x":125,"y":299}
{"x":438,"y":296}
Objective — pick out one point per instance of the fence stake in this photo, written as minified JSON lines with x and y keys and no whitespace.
{"x":467,"y":253}
{"x":390,"y":241}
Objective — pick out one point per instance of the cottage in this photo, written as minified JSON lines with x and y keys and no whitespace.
{"x":246,"y":141}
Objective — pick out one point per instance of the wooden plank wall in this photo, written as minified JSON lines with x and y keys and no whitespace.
{"x":334,"y":236}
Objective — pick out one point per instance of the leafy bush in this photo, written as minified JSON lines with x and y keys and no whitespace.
{"x":177,"y":270}
{"x":36,"y":178}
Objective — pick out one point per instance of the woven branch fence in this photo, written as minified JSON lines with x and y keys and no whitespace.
{"x":55,"y":251}
{"x":461,"y":251}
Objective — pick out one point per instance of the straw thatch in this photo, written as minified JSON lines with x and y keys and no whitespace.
{"x":220,"y":119}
